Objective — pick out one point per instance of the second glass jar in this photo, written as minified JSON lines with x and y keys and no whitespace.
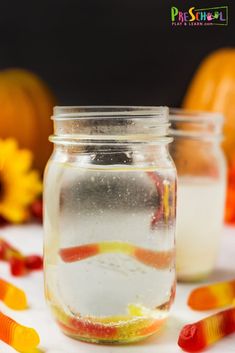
{"x":201,"y":169}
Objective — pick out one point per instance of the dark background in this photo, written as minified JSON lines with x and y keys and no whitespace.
{"x":108,"y":51}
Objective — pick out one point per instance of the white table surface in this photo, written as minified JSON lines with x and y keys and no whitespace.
{"x":29,"y":239}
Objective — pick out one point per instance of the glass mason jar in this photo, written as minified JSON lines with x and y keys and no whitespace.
{"x":109,"y":220}
{"x":201,"y":170}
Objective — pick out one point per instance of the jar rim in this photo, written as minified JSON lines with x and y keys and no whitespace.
{"x":195,"y":124}
{"x":200,"y":116}
{"x":112,"y":111}
{"x":110,"y":124}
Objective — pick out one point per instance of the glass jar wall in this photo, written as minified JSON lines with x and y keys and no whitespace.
{"x":109,"y":221}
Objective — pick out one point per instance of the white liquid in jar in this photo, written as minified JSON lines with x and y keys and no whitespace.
{"x":200,"y":211}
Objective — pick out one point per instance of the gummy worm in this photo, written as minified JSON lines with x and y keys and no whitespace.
{"x":212,"y":296}
{"x":200,"y":335}
{"x":160,"y":189}
{"x":108,"y":329}
{"x":17,"y":336}
{"x":156,"y":259}
{"x":12,"y":296}
{"x":7,"y":251}
{"x":19,"y":263}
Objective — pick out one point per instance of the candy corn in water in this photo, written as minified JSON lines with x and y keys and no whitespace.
{"x":156,"y":259}
{"x":200,"y":335}
{"x":17,"y":336}
{"x":12,"y":296}
{"x":212,"y":296}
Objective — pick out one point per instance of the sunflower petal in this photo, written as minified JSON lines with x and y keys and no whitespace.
{"x":20,"y":185}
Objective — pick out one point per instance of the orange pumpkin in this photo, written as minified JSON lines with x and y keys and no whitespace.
{"x":213,"y":89}
{"x":25,"y":108}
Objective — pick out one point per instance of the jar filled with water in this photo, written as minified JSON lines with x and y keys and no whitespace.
{"x":109,"y":221}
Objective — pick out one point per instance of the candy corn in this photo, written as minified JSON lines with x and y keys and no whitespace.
{"x":12,"y":296}
{"x":156,"y":259}
{"x":17,"y":336}
{"x":212,"y":296}
{"x":200,"y":335}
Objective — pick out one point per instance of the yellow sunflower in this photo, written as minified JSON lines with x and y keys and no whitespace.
{"x":19,"y":186}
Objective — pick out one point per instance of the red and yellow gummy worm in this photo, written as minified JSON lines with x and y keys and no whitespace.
{"x":212,"y":296}
{"x":12,"y":296}
{"x":7,"y":251}
{"x":160,"y":190}
{"x":106,"y":332}
{"x":156,"y":259}
{"x":20,"y":337}
{"x":200,"y":335}
{"x":13,"y":256}
{"x":165,"y":209}
{"x":19,"y":263}
{"x":109,"y":329}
